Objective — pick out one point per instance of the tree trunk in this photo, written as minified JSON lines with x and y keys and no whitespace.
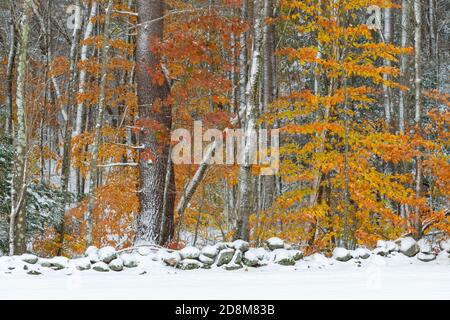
{"x":153,"y":113}
{"x":403,"y":65}
{"x":9,"y":70}
{"x":387,"y":63}
{"x":268,"y":182}
{"x":246,"y":186}
{"x":93,"y":172}
{"x":418,"y":102}
{"x":18,"y":222}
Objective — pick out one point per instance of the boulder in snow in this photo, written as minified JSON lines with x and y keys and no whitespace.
{"x":426,"y":257}
{"x":206,"y":260}
{"x":130,"y":260}
{"x":296,"y":254}
{"x":241,"y":245}
{"x":82,"y":264}
{"x":424,"y":246}
{"x":251,"y":259}
{"x":172,"y":259}
{"x":107,"y":254}
{"x":189,"y":264}
{"x":445,"y":245}
{"x":116,"y":264}
{"x":408,"y":246}
{"x":284,"y":257}
{"x":34,"y":272}
{"x":100,"y":267}
{"x":225,"y":256}
{"x":55,"y":263}
{"x":190,"y":253}
{"x":29,"y":258}
{"x":91,"y":250}
{"x":361,"y":253}
{"x":210,"y":251}
{"x":391,"y":246}
{"x":144,"y":251}
{"x":341,"y":254}
{"x":275,"y":243}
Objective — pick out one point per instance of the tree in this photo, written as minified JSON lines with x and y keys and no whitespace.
{"x":155,"y":121}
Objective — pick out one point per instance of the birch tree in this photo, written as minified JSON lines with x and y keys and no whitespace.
{"x":93,"y":171}
{"x":18,"y":222}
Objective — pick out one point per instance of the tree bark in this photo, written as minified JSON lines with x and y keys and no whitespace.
{"x":93,"y":172}
{"x":153,"y":112}
{"x":18,"y":222}
{"x":403,"y":65}
{"x":246,"y":186}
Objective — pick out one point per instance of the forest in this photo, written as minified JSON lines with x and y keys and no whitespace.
{"x":92,"y":90}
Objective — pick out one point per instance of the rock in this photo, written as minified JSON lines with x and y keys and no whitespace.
{"x":221,"y":246}
{"x":91,"y":250}
{"x":82,"y":264}
{"x":129,"y":260}
{"x":381,"y":251}
{"x":107,"y":254}
{"x":189,"y":264}
{"x":92,"y":254}
{"x":409,"y":247}
{"x":381,"y":244}
{"x":341,"y":254}
{"x":241,"y":245}
{"x":261,"y":253}
{"x":172,"y":259}
{"x":426,"y":257}
{"x":116,"y":264}
{"x":237,"y":257}
{"x":391,"y":246}
{"x":100,"y":267}
{"x":445,"y":245}
{"x":232,"y":266}
{"x":275,"y":243}
{"x":29,"y":258}
{"x":206,"y":260}
{"x":144,"y":251}
{"x":284,"y":257}
{"x":210,"y":251}
{"x":296,"y":254}
{"x":190,"y":253}
{"x":424,"y":246}
{"x":225,"y":256}
{"x":250,"y":259}
{"x":34,"y":272}
{"x":361,"y":253}
{"x":55,"y":263}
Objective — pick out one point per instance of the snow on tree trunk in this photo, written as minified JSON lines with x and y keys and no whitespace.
{"x":18,"y":223}
{"x":153,"y":113}
{"x":93,"y":172}
{"x":246,"y":186}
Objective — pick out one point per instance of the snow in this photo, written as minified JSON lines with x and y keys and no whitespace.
{"x":406,"y":243}
{"x":190,"y":253}
{"x":315,"y":277}
{"x":445,"y":245}
{"x":275,"y":243}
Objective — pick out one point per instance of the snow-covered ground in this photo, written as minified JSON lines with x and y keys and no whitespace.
{"x":315,"y":277}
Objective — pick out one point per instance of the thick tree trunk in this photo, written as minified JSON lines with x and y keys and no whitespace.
{"x":154,"y":115}
{"x":246,"y":185}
